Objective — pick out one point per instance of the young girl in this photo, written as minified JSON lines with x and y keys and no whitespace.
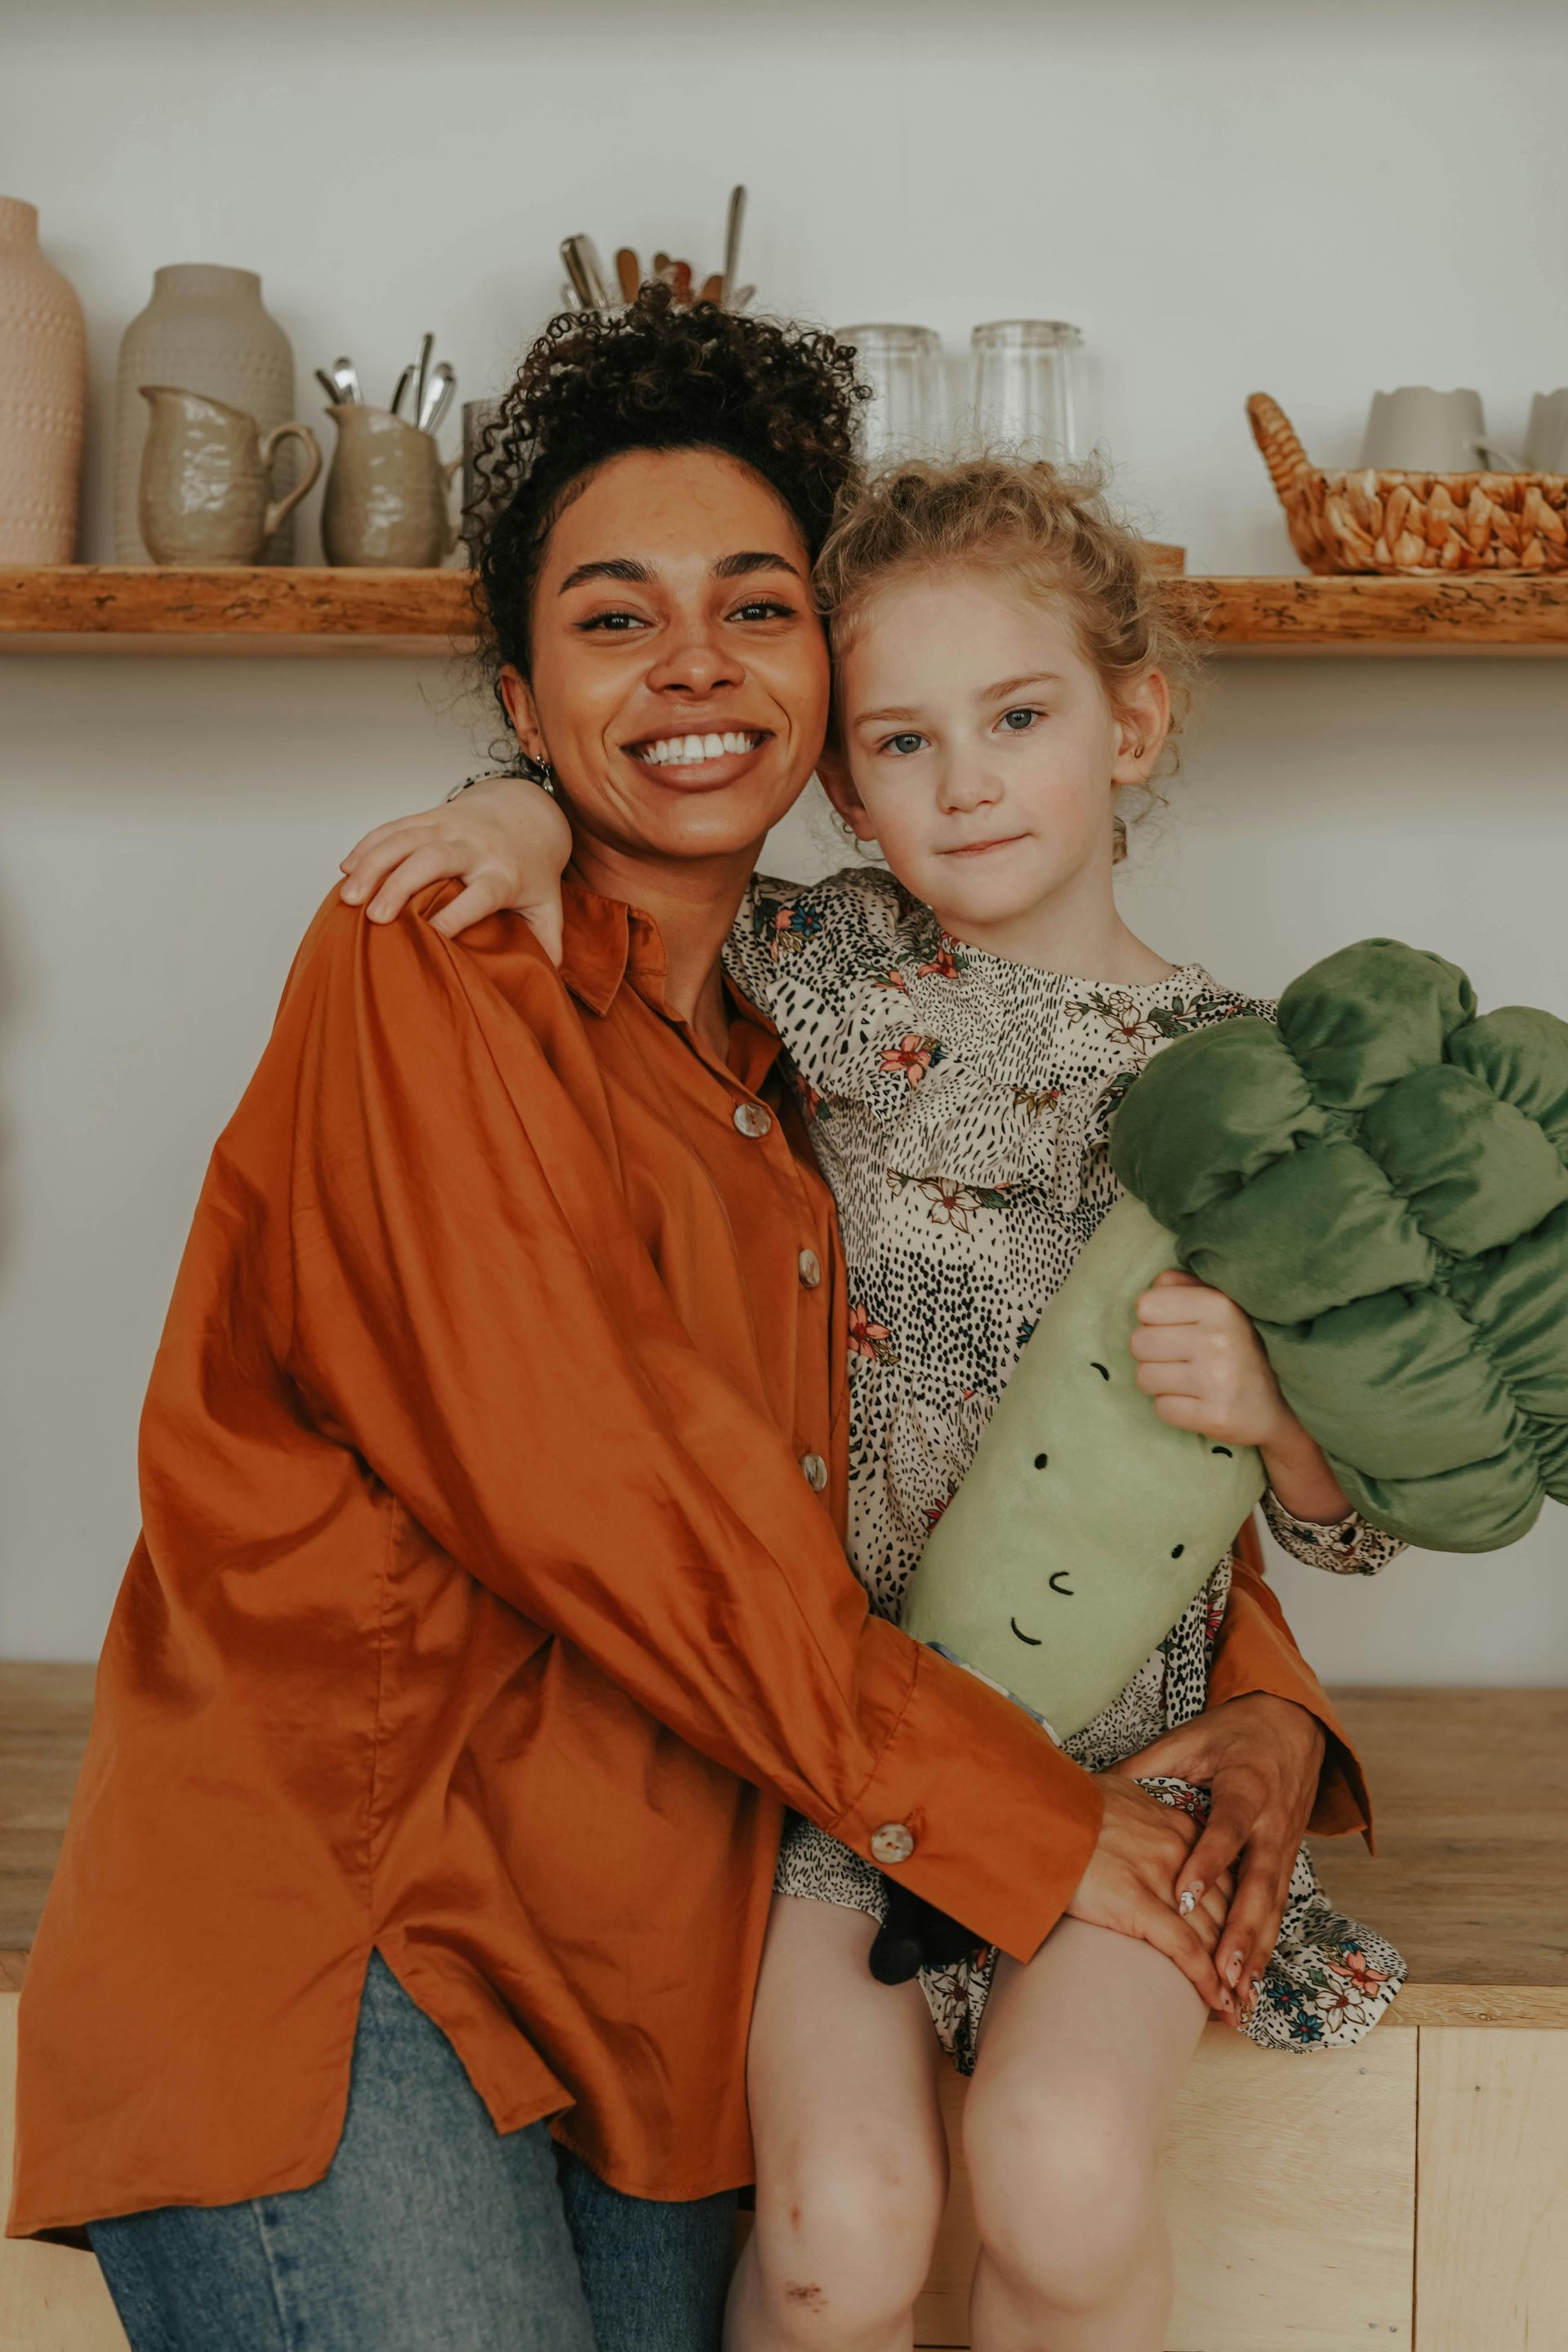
{"x":961,"y":1026}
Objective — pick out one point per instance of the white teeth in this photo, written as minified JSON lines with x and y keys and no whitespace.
{"x":690,"y":751}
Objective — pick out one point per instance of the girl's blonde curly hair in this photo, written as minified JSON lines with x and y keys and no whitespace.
{"x":1047,"y":530}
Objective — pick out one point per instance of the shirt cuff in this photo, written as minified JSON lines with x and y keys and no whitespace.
{"x":974,"y":1806}
{"x":1259,"y":1655}
{"x":1347,"y":1547}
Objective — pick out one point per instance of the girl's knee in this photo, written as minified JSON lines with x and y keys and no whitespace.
{"x":843,"y":2248}
{"x":1064,"y":2192}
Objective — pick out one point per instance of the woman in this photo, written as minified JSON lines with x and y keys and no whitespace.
{"x":491,"y":1604}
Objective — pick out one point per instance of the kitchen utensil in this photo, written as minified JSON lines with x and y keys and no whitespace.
{"x":663,"y":268}
{"x":1025,"y":386}
{"x":1546,"y":439}
{"x":422,"y":375}
{"x":569,"y":298}
{"x":740,"y":301}
{"x":328,"y":386}
{"x":628,"y":270}
{"x":577,"y":271}
{"x":387,"y":494}
{"x":438,"y":392}
{"x":712,"y":288}
{"x":1395,"y":521}
{"x":404,"y":381}
{"x":596,"y":278}
{"x":204,"y":492}
{"x":903,"y":367}
{"x":682,"y":282}
{"x":345,"y":375}
{"x":1418,"y":431}
{"x":733,"y":225}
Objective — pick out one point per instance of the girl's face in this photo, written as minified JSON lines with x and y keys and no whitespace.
{"x":981,"y":752}
{"x":679,"y":672}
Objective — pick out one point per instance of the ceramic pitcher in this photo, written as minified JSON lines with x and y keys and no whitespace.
{"x":387,"y":503}
{"x":206,"y":328}
{"x":205,"y":479}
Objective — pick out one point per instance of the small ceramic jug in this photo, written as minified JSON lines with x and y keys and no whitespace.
{"x":1546,"y":441}
{"x":206,"y":474}
{"x":387,"y":503}
{"x":1418,"y":431}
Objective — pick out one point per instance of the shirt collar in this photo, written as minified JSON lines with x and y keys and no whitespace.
{"x":607,"y":942}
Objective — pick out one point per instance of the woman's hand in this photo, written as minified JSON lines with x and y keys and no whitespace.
{"x":505,"y":839}
{"x":1260,"y":1758}
{"x":1130,"y":1886}
{"x":1204,"y":1366}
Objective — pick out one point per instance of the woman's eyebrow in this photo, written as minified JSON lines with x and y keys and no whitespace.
{"x":735,"y":567}
{"x":613,"y":567}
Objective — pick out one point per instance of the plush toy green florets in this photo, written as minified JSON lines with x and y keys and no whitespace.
{"x":1381,"y":1183}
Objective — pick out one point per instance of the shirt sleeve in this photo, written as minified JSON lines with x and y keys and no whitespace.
{"x":1347,"y":1547}
{"x":475,"y":1314}
{"x":1256,"y":1650}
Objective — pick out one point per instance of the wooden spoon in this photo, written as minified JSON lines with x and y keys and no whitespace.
{"x":628,"y":270}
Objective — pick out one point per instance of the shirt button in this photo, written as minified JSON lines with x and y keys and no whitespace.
{"x":810,"y":1269}
{"x":816,"y":1470}
{"x":891,"y":1844}
{"x":753,"y":1119}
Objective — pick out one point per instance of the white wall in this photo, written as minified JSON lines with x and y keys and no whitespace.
{"x":1316,"y":200}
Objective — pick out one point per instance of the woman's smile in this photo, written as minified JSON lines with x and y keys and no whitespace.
{"x":702,"y":762}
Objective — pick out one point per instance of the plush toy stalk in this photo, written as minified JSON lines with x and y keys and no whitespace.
{"x":1086,"y":1524}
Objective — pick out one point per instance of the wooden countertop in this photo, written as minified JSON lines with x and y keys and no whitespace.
{"x":1470,"y":1880}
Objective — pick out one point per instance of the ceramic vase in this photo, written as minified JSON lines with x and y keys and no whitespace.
{"x":206,"y":330}
{"x":387,"y":503}
{"x":42,"y":397}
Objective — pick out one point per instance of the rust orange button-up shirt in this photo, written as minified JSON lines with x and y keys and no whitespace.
{"x":490,"y":1603}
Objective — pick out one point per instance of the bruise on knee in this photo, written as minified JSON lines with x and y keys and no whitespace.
{"x":809,"y":2299}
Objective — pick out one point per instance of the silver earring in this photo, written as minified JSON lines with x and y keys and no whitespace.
{"x":537,"y":772}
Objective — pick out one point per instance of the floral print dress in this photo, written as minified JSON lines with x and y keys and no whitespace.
{"x":959,"y":1105}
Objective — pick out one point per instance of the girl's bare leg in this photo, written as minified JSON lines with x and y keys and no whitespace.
{"x":1080,"y":2056}
{"x":851,"y":2156}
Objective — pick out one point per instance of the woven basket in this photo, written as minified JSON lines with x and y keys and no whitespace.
{"x":1371,"y":521}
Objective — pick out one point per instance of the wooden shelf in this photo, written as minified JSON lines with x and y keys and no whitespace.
{"x":88,"y":607}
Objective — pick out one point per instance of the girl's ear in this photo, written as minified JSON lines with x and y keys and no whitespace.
{"x":518,"y":697}
{"x":833,"y":770}
{"x":1142,"y":723}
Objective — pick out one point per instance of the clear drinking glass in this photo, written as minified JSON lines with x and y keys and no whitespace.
{"x":903,"y":367}
{"x":1027,"y":386}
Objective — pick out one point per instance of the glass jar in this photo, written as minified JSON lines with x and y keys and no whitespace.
{"x":1027,"y":387}
{"x":903,"y":367}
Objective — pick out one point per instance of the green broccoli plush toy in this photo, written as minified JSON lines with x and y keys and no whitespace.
{"x":1381,"y":1183}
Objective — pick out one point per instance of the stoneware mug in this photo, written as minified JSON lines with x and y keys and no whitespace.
{"x":1418,"y":431}
{"x":205,"y":478}
{"x":1546,"y":439}
{"x":387,"y":502}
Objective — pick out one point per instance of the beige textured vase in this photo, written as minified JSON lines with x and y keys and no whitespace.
{"x":205,"y":329}
{"x":387,"y":504}
{"x":205,"y":479}
{"x":42,"y":397}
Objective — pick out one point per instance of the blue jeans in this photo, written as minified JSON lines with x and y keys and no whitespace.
{"x":430,"y":2232}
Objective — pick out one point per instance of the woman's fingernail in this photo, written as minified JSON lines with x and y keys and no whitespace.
{"x":1233,"y":1969}
{"x":377,"y":911}
{"x":1188,"y":1903}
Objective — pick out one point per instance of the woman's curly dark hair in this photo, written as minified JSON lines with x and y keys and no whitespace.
{"x":781,"y":398}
